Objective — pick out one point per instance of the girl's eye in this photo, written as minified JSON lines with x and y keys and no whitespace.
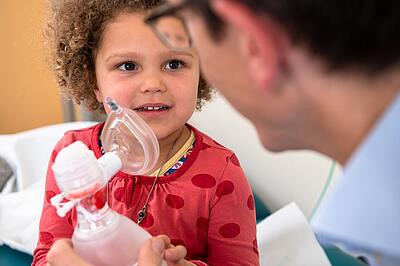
{"x":174,"y":64}
{"x":127,"y":66}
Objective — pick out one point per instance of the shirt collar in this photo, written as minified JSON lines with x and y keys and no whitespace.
{"x":363,"y":211}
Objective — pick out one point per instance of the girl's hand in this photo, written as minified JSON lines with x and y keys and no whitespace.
{"x":61,"y":253}
{"x":159,"y":248}
{"x":152,"y":253}
{"x":175,"y":256}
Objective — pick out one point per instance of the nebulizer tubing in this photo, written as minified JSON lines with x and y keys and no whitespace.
{"x":324,"y":190}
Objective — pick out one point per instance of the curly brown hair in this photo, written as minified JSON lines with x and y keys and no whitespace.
{"x":74,"y":32}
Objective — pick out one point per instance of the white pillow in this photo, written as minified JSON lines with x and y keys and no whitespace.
{"x":33,"y":149}
{"x":19,"y":218}
{"x":28,"y":154}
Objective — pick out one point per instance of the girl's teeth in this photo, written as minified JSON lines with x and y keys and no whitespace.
{"x":151,"y":108}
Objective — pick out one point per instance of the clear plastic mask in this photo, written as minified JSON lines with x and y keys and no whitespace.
{"x":127,"y":134}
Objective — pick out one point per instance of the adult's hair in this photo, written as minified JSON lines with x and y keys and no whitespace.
{"x":358,"y":34}
{"x":74,"y":33}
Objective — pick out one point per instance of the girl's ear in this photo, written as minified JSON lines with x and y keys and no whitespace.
{"x":99,"y":96}
{"x":260,"y":40}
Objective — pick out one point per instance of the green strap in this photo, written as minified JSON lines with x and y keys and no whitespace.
{"x":322,"y":195}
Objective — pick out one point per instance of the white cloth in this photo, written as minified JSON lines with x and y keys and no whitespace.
{"x":28,"y":154}
{"x":362,"y":212}
{"x":286,"y":239}
{"x":19,"y":218}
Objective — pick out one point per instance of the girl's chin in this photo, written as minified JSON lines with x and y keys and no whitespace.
{"x":164,"y":134}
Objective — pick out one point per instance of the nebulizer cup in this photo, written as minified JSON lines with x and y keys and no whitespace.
{"x":103,"y":236}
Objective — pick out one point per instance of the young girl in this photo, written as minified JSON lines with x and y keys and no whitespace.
{"x":200,"y":198}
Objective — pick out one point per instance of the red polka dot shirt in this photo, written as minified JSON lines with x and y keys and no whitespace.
{"x":205,"y":205}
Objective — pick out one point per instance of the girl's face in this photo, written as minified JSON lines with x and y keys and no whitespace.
{"x":134,"y":68}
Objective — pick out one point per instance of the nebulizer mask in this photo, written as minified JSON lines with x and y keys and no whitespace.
{"x":128,"y":136}
{"x":102,"y":236}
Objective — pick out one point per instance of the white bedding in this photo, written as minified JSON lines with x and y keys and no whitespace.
{"x":21,"y":200}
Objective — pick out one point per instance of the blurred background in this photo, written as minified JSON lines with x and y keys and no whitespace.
{"x":28,"y":91}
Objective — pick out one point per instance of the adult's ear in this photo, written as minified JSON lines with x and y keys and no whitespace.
{"x":261,"y":40}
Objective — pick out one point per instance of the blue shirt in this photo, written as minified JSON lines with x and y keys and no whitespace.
{"x":362,"y":213}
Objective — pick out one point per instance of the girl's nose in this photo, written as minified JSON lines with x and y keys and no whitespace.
{"x":153,"y":83}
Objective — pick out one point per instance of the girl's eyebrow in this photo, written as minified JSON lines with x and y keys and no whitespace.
{"x":175,"y":53}
{"x":139,"y":56}
{"x":118,"y":55}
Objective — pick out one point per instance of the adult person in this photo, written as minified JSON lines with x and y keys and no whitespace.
{"x":318,"y":75}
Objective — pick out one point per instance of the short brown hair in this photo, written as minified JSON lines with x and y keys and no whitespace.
{"x":74,"y":33}
{"x":362,"y":34}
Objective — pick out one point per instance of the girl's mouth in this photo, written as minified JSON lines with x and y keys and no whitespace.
{"x":152,"y":108}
